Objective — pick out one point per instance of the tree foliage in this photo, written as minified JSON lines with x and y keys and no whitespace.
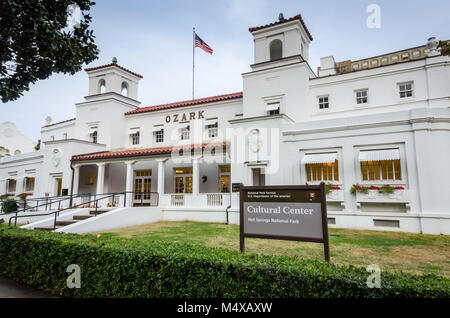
{"x":35,"y":42}
{"x":445,"y":47}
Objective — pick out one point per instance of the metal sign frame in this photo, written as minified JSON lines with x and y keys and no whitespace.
{"x":323,"y":205}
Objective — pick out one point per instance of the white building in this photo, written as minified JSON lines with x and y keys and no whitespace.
{"x":381,"y":122}
{"x":12,"y":141}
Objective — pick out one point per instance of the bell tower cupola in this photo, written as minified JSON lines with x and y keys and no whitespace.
{"x":279,"y":80}
{"x":113,"y":78}
{"x":281,"y":39}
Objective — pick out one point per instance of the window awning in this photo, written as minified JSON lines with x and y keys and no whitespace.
{"x":157,"y":128}
{"x":211,"y":121}
{"x":180,"y":126}
{"x":376,"y":155}
{"x":272,"y":106}
{"x":319,"y":158}
{"x":133,"y":130}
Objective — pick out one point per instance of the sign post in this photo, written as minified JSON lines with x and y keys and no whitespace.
{"x":294,"y":213}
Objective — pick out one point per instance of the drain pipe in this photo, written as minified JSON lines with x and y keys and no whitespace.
{"x":71,"y":187}
{"x":226,"y":211}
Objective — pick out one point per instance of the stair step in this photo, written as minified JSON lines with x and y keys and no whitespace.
{"x":64,"y":223}
{"x":81,"y":217}
{"x":44,"y":228}
{"x":99,"y":211}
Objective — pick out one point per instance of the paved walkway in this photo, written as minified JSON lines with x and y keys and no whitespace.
{"x":11,"y":289}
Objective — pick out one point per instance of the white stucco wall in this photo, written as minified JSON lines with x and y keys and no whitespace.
{"x":13,"y":140}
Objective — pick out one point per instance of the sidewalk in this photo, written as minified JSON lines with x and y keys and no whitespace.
{"x":11,"y":289}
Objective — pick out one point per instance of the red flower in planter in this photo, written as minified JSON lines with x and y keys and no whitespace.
{"x":336,"y":188}
{"x":374,"y":188}
{"x":399,"y":188}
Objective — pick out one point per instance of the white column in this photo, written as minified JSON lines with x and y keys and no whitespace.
{"x":161,"y":175}
{"x":20,"y":185}
{"x":100,"y":177}
{"x":196,"y":175}
{"x":76,"y":178}
{"x":129,"y":182}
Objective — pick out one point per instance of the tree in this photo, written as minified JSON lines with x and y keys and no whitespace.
{"x":38,"y":145}
{"x":35,"y":42}
{"x":445,"y":47}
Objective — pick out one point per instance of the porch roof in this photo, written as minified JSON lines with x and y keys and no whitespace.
{"x":148,"y":151}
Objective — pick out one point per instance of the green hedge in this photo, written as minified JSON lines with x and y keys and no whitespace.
{"x":113,"y":267}
{"x":9,"y":205}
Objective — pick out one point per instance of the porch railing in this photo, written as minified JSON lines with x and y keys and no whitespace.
{"x":197,"y":201}
{"x":94,"y":202}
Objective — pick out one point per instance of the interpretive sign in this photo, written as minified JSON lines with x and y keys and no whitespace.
{"x":297,"y":213}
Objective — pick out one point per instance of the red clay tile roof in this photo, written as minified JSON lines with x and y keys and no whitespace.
{"x":113,"y":64}
{"x":191,"y":102}
{"x":297,"y":17}
{"x":64,"y":121}
{"x":147,"y":151}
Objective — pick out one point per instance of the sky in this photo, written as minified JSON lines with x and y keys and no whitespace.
{"x":154,"y":38}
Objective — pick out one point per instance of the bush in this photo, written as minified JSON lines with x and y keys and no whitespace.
{"x":113,"y":267}
{"x":9,"y":205}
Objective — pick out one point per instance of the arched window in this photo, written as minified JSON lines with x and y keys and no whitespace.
{"x":276,"y":50}
{"x":101,"y":86}
{"x":124,"y":89}
{"x":17,"y":152}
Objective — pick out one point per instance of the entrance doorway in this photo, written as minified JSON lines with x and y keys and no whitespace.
{"x":57,"y":186}
{"x":142,"y":188}
{"x":183,"y":180}
{"x":259,"y":178}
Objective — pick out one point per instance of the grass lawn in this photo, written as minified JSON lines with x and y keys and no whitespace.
{"x":392,"y":251}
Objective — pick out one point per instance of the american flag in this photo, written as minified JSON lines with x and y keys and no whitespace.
{"x":201,"y":44}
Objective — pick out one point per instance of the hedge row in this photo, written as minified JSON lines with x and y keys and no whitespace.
{"x":113,"y":267}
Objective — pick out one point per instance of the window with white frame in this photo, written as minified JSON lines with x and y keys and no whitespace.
{"x":355,"y":67}
{"x":384,"y":60}
{"x":29,"y":184}
{"x":380,"y":165}
{"x":11,"y":185}
{"x":321,"y":167}
{"x":365,"y":65}
{"x":273,"y":108}
{"x":405,"y":89}
{"x":362,"y":96}
{"x":159,"y":136}
{"x":323,"y":102}
{"x":185,"y":133}
{"x":135,"y":138}
{"x":374,"y":63}
{"x":213,"y":130}
{"x":93,"y":137}
{"x":394,"y":58}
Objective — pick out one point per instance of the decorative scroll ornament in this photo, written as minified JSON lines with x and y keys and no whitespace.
{"x":254,"y":140}
{"x":56,"y":157}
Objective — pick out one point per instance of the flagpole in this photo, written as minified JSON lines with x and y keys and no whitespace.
{"x":193,"y":60}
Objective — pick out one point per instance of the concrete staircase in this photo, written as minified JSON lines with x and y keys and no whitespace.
{"x":75,"y":219}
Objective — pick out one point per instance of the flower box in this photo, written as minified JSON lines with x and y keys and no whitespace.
{"x":374,"y":196}
{"x":336,"y":195}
